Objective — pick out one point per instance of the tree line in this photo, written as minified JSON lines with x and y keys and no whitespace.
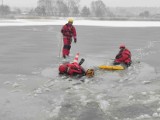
{"x":71,"y":8}
{"x":65,"y":8}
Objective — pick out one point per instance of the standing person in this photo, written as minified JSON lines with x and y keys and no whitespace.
{"x":123,"y":57}
{"x":68,"y":31}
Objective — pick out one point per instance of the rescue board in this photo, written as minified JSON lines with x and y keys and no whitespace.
{"x":111,"y":67}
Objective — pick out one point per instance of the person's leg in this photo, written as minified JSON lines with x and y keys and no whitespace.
{"x":81,"y":61}
{"x":128,"y":62}
{"x":69,"y":45}
{"x":66,"y":47}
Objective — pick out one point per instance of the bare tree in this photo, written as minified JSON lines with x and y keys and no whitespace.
{"x":98,"y":8}
{"x":144,"y":14}
{"x":63,"y":9}
{"x":85,"y":12}
{"x":73,"y":6}
{"x":40,"y":11}
{"x":59,"y":7}
{"x":48,"y":6}
{"x":4,"y":10}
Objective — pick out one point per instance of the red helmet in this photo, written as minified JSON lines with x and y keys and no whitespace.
{"x":122,"y":46}
{"x":62,"y":68}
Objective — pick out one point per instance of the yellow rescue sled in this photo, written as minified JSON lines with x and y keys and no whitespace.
{"x":111,"y":67}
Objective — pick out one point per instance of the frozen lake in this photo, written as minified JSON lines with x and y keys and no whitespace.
{"x":31,"y":89}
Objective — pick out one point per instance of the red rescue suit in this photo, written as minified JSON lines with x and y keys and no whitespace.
{"x":124,"y":56}
{"x":68,"y":31}
{"x":72,"y":69}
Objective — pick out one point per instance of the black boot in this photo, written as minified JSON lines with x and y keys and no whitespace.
{"x":64,"y":56}
{"x":81,"y":62}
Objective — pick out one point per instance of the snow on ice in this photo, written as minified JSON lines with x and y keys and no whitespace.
{"x":31,"y":89}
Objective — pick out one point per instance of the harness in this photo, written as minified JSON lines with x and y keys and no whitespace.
{"x":67,"y":30}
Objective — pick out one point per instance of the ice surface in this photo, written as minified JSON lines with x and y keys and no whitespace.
{"x":31,"y":89}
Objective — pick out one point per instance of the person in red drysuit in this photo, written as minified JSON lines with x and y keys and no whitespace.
{"x":75,"y":69}
{"x":68,"y":31}
{"x":123,"y":57}
{"x":71,"y":69}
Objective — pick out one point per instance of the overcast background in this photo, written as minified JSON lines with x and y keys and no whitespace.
{"x":110,"y":3}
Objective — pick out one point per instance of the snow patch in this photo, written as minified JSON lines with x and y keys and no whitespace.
{"x":37,"y":22}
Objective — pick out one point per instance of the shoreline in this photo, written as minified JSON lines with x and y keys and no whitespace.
{"x":41,"y":22}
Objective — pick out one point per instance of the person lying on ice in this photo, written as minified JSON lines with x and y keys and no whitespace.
{"x":123,"y":57}
{"x":75,"y":69}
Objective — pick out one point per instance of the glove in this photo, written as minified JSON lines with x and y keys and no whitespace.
{"x":116,"y":62}
{"x":118,"y":56}
{"x":75,"y":40}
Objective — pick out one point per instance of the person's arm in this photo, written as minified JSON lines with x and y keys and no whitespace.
{"x":63,"y":30}
{"x":118,"y":56}
{"x":122,"y":58}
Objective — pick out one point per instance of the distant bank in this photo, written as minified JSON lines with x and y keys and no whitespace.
{"x":82,"y":22}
